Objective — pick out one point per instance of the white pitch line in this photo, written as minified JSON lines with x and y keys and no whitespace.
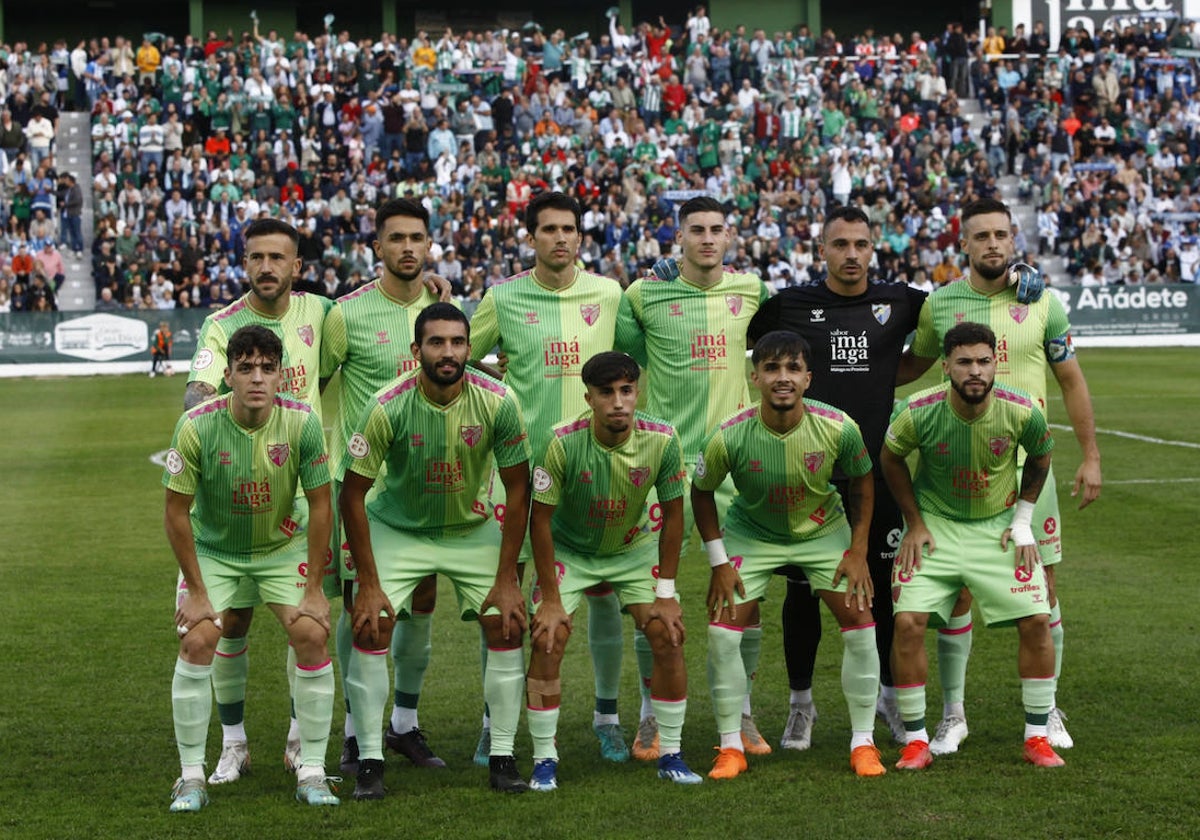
{"x":1187,"y":444}
{"x":1153,"y":481}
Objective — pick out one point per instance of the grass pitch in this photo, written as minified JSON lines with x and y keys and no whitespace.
{"x":86,"y":594}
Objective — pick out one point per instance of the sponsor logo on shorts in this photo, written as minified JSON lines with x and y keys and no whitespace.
{"x":638,"y":475}
{"x":736,"y":562}
{"x":895,"y":594}
{"x":654,"y":572}
{"x":1022,"y":574}
{"x":1050,"y":526}
{"x":590,"y":312}
{"x":306,"y":334}
{"x":542,"y":480}
{"x":278,"y":453}
{"x":203,"y":360}
{"x":818,"y":516}
{"x":893,"y":538}
{"x":471,"y":435}
{"x":358,"y":446}
{"x":174,"y":462}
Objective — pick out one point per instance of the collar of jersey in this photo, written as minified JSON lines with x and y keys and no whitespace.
{"x":249,"y":305}
{"x":533,"y":276}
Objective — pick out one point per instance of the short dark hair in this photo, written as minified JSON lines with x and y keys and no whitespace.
{"x":266,"y":227}
{"x":980,"y":206}
{"x":551,"y":201}
{"x":700,"y":204}
{"x":608,"y":367}
{"x":438,"y":312}
{"x":967,"y":332}
{"x":252,"y":338}
{"x":781,"y":344}
{"x":845,"y":213}
{"x":401,"y":207}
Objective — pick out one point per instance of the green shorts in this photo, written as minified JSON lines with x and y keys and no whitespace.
{"x":756,"y":561}
{"x":969,"y":554}
{"x":278,"y":579}
{"x":632,"y":575}
{"x":1047,"y":523}
{"x":403,"y":559}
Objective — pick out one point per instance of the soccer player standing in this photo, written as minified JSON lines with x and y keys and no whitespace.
{"x":962,"y":510}
{"x":781,"y":455}
{"x":1029,"y":339}
{"x":690,"y":333}
{"x":368,"y":337}
{"x":437,"y":430}
{"x":548,"y":321}
{"x":590,"y":491}
{"x":231,"y":478}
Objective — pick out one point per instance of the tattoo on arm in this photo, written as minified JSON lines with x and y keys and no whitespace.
{"x":196,"y":393}
{"x":1033,"y":476}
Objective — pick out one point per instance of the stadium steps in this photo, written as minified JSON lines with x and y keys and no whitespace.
{"x":74,"y":155}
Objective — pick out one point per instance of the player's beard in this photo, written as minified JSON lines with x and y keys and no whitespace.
{"x":972,"y":399}
{"x":283,"y":286}
{"x":986,"y":272}
{"x":430,"y":367}
{"x":406,"y":277}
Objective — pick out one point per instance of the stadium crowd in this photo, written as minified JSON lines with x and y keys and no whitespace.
{"x":194,"y":138}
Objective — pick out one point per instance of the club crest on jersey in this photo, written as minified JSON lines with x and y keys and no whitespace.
{"x":306,"y":334}
{"x":882,"y":312}
{"x":638,"y":475}
{"x":590,"y":312}
{"x":813,"y":461}
{"x":278,"y":453}
{"x":471,"y":435}
{"x":999,"y":445}
{"x":734,"y":302}
{"x":1019,"y":312}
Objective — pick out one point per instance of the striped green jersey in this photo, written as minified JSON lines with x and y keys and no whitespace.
{"x":693,"y":343}
{"x":968,"y":468}
{"x":548,"y":335}
{"x":600,"y":493}
{"x":299,"y":329}
{"x":245,"y":481}
{"x":1029,"y":336}
{"x":368,"y":334}
{"x":438,"y":457}
{"x":784,"y":482}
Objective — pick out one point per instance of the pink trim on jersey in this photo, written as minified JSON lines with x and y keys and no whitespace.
{"x":932,"y":399}
{"x":821,"y":411}
{"x":241,"y":652}
{"x":572,"y":427}
{"x":391,"y":394}
{"x":383,"y":652}
{"x":233,"y":308}
{"x":325,"y":664}
{"x":517,"y":276}
{"x":956,"y":632}
{"x":208,"y":408}
{"x":284,"y":402}
{"x":726,"y":626}
{"x":668,"y":699}
{"x":486,"y":383}
{"x":912,"y":685}
{"x":858,"y":627}
{"x":650,"y":426}
{"x":542,"y":708}
{"x":1009,"y":396}
{"x":362,"y":290}
{"x":741,"y":417}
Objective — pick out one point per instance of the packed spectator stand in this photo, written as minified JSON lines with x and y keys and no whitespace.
{"x":191,"y":139}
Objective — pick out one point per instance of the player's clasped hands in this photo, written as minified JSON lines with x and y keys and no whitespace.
{"x":859,"y":587}
{"x":912,"y":548}
{"x":721,"y":587}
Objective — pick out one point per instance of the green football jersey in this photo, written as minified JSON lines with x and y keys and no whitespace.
{"x":784,"y":482}
{"x":368,"y":334}
{"x":693,"y":343}
{"x":599,"y":493}
{"x":299,"y":329}
{"x":438,"y":457}
{"x":1028,"y":335}
{"x":548,"y":335}
{"x":245,"y":481}
{"x":968,"y":468}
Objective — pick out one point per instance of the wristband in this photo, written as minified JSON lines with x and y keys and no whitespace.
{"x":716,"y":552}
{"x":1022,"y":523}
{"x":665,"y":588}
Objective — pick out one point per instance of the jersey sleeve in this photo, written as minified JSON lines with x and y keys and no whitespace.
{"x":916,"y":302}
{"x":853,"y":457}
{"x":548,"y":475}
{"x":208,"y":364}
{"x":925,"y":343}
{"x":901,"y":436}
{"x":369,"y":444}
{"x":712,"y":465}
{"x":181,"y":472}
{"x":764,"y":293}
{"x":1036,"y":439}
{"x":512,"y":441}
{"x":485,"y":327}
{"x":629,"y":336}
{"x":314,"y":460}
{"x":671,"y":472}
{"x":1057,"y":339}
{"x":334,"y":342}
{"x":765,"y":320}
